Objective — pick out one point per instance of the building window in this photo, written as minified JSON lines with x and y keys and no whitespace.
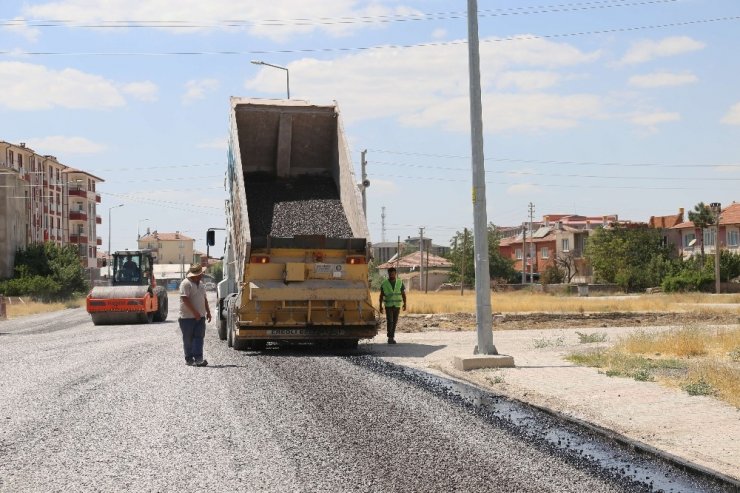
{"x":733,"y":238}
{"x":709,"y":237}
{"x":688,"y":238}
{"x":545,"y":252}
{"x":518,"y":253}
{"x":565,"y":244}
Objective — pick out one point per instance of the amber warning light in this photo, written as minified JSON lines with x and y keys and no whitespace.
{"x":259,"y":259}
{"x":357,"y":259}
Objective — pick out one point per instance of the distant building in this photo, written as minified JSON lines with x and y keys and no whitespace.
{"x":729,"y":234}
{"x":169,"y":248}
{"x":382,"y":252}
{"x":35,"y":195}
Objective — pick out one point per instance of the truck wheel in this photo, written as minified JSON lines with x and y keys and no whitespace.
{"x":238,"y":344}
{"x":221,"y":324}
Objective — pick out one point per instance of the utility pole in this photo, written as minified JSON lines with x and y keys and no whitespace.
{"x":484,"y":317}
{"x":717,"y":210}
{"x":532,"y":253}
{"x":421,"y":259}
{"x":382,"y":225}
{"x":365,"y":182}
{"x":462,"y":269}
{"x":524,"y":252}
{"x":426,"y":280}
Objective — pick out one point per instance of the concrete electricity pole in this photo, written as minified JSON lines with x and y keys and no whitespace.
{"x":421,"y":259}
{"x":484,"y":318}
{"x":524,"y":252}
{"x":717,"y":211}
{"x":532,"y":253}
{"x":382,"y":225}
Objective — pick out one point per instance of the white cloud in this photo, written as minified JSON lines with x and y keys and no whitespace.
{"x":288,"y":16}
{"x":383,"y":187}
{"x":143,"y":91}
{"x":523,"y":189}
{"x":661,"y":79}
{"x":197,"y":89}
{"x":652,"y":119}
{"x":58,"y":144}
{"x":423,"y":90}
{"x":439,"y":33}
{"x":528,"y":80}
{"x":646,"y":50}
{"x":19,"y":26}
{"x":25,"y":86}
{"x":733,"y":116}
{"x":221,"y":143}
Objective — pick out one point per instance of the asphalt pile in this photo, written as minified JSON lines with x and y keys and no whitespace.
{"x":307,"y":205}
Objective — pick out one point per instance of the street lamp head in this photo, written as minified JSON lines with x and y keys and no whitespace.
{"x":258,"y":62}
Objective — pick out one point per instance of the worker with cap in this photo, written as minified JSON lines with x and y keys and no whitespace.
{"x":194,"y":311}
{"x":392,"y":292}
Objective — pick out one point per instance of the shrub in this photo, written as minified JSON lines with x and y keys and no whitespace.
{"x":687,"y":280}
{"x":552,"y":275}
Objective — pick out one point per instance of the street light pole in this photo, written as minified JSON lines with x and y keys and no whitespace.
{"x":138,"y":224}
{"x":287,"y":72}
{"x":109,"y":230}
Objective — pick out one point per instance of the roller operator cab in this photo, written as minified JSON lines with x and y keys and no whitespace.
{"x":297,"y":251}
{"x":133,"y":296}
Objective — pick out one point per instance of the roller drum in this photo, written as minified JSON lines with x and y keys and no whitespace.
{"x":117,"y":292}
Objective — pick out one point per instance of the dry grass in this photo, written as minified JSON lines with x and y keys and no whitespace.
{"x":26,"y":307}
{"x":699,"y":361}
{"x":522,"y":301}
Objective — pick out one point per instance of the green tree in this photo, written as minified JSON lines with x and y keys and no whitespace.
{"x":217,"y":271}
{"x":47,"y":271}
{"x":462,"y":252}
{"x":632,"y":258}
{"x":702,"y":218}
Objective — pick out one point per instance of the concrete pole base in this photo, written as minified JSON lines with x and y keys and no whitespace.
{"x":483,"y":361}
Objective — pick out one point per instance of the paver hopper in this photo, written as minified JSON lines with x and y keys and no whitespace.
{"x":133,"y":296}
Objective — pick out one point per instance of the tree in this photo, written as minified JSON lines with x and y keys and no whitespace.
{"x":48,"y":271}
{"x":702,"y":218}
{"x":566,"y":263}
{"x":463,"y":251}
{"x":632,"y":258}
{"x":217,"y":271}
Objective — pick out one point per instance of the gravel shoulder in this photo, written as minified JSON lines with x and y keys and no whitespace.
{"x":699,"y":429}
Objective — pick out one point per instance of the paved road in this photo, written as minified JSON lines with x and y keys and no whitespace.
{"x":85,"y":408}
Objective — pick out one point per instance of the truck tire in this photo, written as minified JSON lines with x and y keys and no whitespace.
{"x":229,"y":323}
{"x":221,"y":324}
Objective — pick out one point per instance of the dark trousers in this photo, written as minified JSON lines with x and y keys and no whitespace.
{"x":193,"y":333}
{"x":391,"y":319}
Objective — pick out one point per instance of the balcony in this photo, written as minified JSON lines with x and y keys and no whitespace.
{"x":98,"y":220}
{"x":78,"y":238}
{"x":97,"y":198}
{"x":99,"y":241}
{"x":77,"y":216}
{"x":78,"y":192}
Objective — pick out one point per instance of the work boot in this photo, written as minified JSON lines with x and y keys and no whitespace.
{"x":189,"y":362}
{"x":201,"y":362}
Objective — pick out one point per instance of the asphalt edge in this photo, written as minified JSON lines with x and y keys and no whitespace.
{"x":607,"y":433}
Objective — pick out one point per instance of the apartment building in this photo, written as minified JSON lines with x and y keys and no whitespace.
{"x":169,"y":248}
{"x":689,"y":236}
{"x":36,"y":192}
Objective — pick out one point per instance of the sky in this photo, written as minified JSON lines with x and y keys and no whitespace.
{"x":627,"y":107}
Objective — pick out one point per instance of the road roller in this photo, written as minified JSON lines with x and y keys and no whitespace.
{"x":133,"y":296}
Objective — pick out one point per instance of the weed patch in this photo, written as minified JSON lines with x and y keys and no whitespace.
{"x":589,"y":338}
{"x":548,"y":342}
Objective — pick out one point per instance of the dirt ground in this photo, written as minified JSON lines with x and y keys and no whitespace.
{"x":466,"y":321}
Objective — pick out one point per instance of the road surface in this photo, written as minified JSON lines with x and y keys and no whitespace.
{"x":114,"y":408}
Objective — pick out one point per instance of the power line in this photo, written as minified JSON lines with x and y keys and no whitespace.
{"x":554,"y":162}
{"x":548,"y":185}
{"x":328,"y":21}
{"x":368,"y":48}
{"x":557,"y":175}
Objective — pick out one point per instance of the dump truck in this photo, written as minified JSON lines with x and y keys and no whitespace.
{"x":297,"y":242}
{"x":133,"y":296}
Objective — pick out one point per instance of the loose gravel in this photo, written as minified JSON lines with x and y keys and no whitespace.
{"x":115,"y":408}
{"x":307,"y":205}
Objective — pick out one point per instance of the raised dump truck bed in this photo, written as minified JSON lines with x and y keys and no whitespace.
{"x":297,"y":243}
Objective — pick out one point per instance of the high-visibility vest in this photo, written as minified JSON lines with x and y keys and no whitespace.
{"x":392,"y":294}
